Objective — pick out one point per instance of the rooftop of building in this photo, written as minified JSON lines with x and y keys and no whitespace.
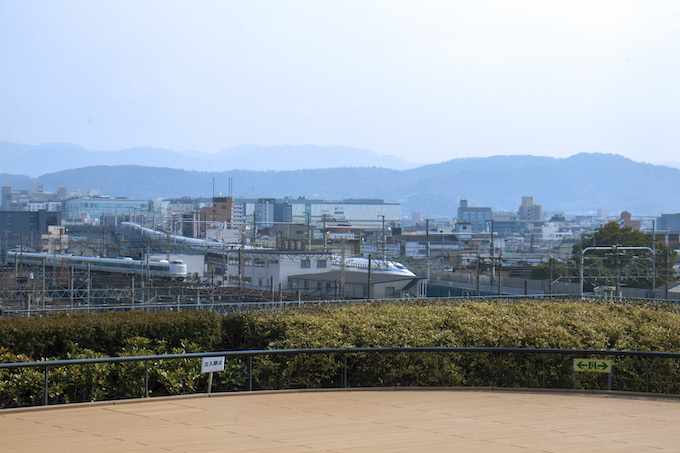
{"x":303,"y":200}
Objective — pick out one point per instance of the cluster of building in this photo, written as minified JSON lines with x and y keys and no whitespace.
{"x":193,"y":217}
{"x":33,"y":199}
{"x":527,"y":235}
{"x":299,"y":230}
{"x":292,"y":237}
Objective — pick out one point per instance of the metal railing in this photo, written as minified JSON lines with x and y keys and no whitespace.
{"x":235,"y":307}
{"x":248,"y":355}
{"x":228,"y":307}
{"x":518,"y":286}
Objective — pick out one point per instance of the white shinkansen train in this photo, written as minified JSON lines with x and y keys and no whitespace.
{"x":377,"y":266}
{"x":351,"y":264}
{"x":162,"y":268}
{"x":203,"y":244}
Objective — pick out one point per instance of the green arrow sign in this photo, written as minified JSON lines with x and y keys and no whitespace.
{"x":598,"y":366}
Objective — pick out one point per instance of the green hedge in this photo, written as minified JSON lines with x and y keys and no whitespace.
{"x":527,"y":324}
{"x":112,"y":334}
{"x":107,"y":333}
{"x":549,"y":324}
{"x":523,"y":324}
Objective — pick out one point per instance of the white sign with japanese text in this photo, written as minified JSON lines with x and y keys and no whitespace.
{"x":211,"y":364}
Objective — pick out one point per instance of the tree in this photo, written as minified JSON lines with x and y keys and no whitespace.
{"x":616,"y":266}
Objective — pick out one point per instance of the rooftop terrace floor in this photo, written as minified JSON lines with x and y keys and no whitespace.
{"x":352,"y":420}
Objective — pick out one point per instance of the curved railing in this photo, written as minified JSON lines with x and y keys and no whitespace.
{"x":248,"y":355}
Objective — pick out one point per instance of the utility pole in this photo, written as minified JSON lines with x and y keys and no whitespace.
{"x":21,"y":249}
{"x":493,"y":263}
{"x":44,"y":271}
{"x":654,"y":259}
{"x":478,"y":270}
{"x":369,"y":276}
{"x":240,"y":268}
{"x":308,"y":220}
{"x":427,"y":247}
{"x":580,"y":267}
{"x":254,"y":227}
{"x":342,"y":269}
{"x":384,"y":239}
{"x":668,"y":270}
{"x":500,"y":265}
{"x":427,"y":238}
{"x":89,"y":286}
{"x":224,"y":267}
{"x":616,"y":257}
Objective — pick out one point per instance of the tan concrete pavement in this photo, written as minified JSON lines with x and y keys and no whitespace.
{"x":352,"y":420}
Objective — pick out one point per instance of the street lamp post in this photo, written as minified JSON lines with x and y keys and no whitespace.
{"x":384,"y":239}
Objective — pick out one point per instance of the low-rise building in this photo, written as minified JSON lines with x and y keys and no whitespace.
{"x":529,"y":210}
{"x":416,"y":245}
{"x":357,"y":214}
{"x":91,"y":209}
{"x":33,"y":199}
{"x":668,"y":222}
{"x":25,"y":227}
{"x":55,"y":240}
{"x":477,"y":217}
{"x":265,"y":269}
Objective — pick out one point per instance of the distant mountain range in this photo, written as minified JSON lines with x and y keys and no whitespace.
{"x":578,"y":184}
{"x":49,"y":158}
{"x":672,"y":164}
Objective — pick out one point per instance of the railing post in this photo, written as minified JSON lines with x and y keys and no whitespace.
{"x":647,"y":374}
{"x":441,"y":367}
{"x":543,"y":370}
{"x":146,"y":379}
{"x":344,"y":370}
{"x":250,"y":373}
{"x":46,"y":394}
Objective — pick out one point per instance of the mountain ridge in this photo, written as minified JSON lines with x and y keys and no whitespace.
{"x":35,"y":160}
{"x":578,"y":184}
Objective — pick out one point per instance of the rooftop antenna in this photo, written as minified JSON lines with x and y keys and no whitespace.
{"x":231,"y":187}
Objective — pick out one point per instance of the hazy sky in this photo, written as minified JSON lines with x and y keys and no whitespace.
{"x":424,"y":80}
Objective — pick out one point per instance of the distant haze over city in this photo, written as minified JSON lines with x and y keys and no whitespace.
{"x":582,"y":183}
{"x":423,"y":82}
{"x":37,"y":160}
